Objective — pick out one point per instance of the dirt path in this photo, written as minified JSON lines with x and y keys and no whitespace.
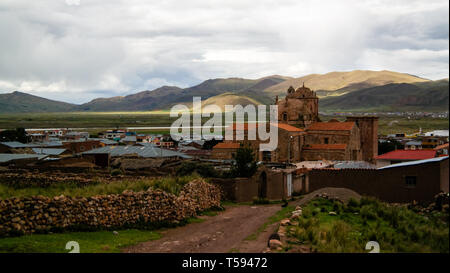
{"x":222,"y":233}
{"x":227,"y":231}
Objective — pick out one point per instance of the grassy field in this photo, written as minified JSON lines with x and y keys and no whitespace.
{"x":168,"y":184}
{"x":89,"y":242}
{"x":95,"y":122}
{"x":392,"y":125}
{"x":396,"y":229}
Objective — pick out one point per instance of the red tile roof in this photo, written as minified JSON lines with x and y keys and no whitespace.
{"x":443,"y":146}
{"x":283,"y":126}
{"x":288,"y":127}
{"x":227,"y":145}
{"x":326,"y":147}
{"x":331,"y":126}
{"x":408,"y":155}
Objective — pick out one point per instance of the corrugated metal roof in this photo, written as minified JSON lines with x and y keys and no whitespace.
{"x":412,"y":163}
{"x":415,"y":143}
{"x":353,"y":165}
{"x":143,"y":151}
{"x":104,"y":141}
{"x":129,"y":138}
{"x":17,"y":144}
{"x":9,"y":157}
{"x":48,"y":151}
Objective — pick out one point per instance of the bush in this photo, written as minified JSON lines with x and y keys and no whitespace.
{"x":368,"y":212}
{"x":203,"y":169}
{"x":260,"y":201}
{"x":116,"y":172}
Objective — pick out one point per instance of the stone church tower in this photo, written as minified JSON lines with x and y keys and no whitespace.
{"x":299,"y":108}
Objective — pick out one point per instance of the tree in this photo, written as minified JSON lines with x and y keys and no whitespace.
{"x":209,"y":144}
{"x":389,"y":145}
{"x":245,"y":162}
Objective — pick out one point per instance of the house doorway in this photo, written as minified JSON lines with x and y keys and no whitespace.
{"x":262,"y":185}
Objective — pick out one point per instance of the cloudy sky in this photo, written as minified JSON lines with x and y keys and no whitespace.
{"x":76,"y":50}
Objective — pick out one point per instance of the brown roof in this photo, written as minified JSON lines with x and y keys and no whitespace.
{"x":331,"y":126}
{"x":326,"y":147}
{"x":288,"y":127}
{"x":443,"y":146}
{"x":283,"y":126}
{"x":408,"y":155}
{"x":227,"y":145}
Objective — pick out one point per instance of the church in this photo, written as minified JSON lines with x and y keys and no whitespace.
{"x":302,"y":136}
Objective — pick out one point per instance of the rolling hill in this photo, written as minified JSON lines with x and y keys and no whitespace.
{"x":359,"y":89}
{"x":18,"y":102}
{"x":397,"y":97}
{"x":338,"y":83}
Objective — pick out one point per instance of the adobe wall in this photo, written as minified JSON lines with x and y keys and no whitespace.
{"x":386,"y":184}
{"x":444,"y":176}
{"x":42,"y":214}
{"x":369,"y":136}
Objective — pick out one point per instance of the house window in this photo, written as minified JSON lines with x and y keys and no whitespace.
{"x":411,"y":181}
{"x":81,"y":148}
{"x":267,"y":156}
{"x":326,"y":140}
{"x":285,"y":117}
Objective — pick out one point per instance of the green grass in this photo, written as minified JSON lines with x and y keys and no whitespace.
{"x":396,"y":229}
{"x":96,"y":122}
{"x":277,"y":217}
{"x":168,"y":184}
{"x":89,"y":242}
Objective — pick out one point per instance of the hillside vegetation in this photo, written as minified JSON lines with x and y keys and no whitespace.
{"x":344,"y":81}
{"x":373,"y":89}
{"x":25,"y":103}
{"x":424,"y":96}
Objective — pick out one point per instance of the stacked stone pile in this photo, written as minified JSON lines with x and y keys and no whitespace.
{"x":42,"y":214}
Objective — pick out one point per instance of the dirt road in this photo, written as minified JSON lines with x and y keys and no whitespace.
{"x":222,"y":233}
{"x":227,"y":231}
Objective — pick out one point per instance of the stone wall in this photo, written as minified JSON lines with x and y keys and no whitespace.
{"x":42,"y":214}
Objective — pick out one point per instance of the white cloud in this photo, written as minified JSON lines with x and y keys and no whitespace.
{"x":77,"y":50}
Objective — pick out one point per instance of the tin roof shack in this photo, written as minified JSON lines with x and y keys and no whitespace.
{"x":102,"y":156}
{"x":15,"y":147}
{"x":405,"y":182}
{"x":399,"y":156}
{"x":19,"y":159}
{"x":52,"y":152}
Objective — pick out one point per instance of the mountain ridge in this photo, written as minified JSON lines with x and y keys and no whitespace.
{"x":262,"y":91}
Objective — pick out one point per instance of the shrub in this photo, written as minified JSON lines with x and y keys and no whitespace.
{"x":203,"y":169}
{"x":116,"y":172}
{"x":260,"y":201}
{"x":368,"y":212}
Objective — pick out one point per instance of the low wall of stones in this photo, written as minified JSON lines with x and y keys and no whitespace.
{"x":41,"y":214}
{"x":26,"y":179}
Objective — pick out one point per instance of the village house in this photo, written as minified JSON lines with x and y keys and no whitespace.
{"x":303,"y":137}
{"x":398,"y":156}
